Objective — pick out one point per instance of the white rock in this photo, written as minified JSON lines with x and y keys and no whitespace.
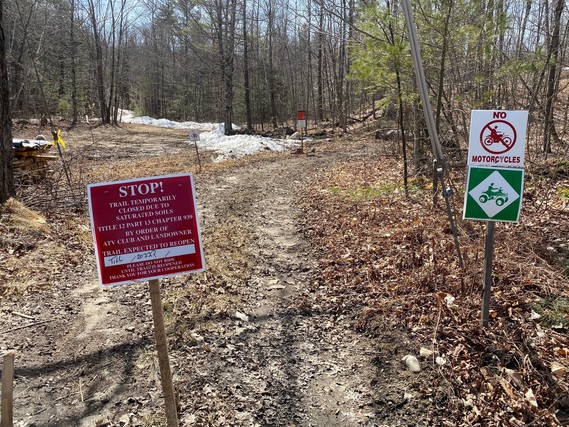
{"x":412,"y":363}
{"x":241,"y":316}
{"x":197,"y":337}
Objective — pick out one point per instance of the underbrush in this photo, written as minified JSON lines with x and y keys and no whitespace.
{"x":35,"y":249}
{"x":391,"y":258}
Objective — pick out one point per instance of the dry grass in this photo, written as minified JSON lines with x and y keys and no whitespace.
{"x":19,"y":218}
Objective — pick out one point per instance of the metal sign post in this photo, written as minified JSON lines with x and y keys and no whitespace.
{"x":488,"y":258}
{"x":194,"y":135}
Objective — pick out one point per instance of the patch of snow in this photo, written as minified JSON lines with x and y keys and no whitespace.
{"x":212,"y":137}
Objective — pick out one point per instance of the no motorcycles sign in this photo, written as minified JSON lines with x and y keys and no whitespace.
{"x":497,"y":138}
{"x":145,"y":228}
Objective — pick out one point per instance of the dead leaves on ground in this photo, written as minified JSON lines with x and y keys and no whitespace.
{"x":392,"y":258}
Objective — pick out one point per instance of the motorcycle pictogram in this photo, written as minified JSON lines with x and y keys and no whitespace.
{"x":493,"y":193}
{"x":496,"y":137}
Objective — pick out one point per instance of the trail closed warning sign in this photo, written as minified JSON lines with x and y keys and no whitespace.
{"x":497,"y":138}
{"x":145,"y":229}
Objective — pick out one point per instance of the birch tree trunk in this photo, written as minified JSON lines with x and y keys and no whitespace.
{"x":248,"y":113}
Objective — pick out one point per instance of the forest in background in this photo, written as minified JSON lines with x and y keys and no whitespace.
{"x":256,"y":62}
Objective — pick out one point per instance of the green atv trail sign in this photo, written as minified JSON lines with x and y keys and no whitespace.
{"x":493,"y":194}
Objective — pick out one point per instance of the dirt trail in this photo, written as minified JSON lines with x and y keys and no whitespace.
{"x":298,"y":367}
{"x":268,"y":358}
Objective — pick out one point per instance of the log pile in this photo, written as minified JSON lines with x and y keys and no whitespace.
{"x":31,"y":158}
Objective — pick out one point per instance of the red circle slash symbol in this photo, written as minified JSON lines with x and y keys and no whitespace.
{"x":498,"y":136}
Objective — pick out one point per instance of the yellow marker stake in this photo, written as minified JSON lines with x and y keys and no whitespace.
{"x":57,"y":139}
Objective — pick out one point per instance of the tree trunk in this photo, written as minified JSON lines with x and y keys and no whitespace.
{"x":272,"y":89}
{"x":248,"y":113}
{"x":73,"y":55}
{"x":401,"y":122}
{"x":442,"y":70}
{"x":99,"y":66}
{"x":549,"y":130}
{"x":226,"y":50}
{"x":18,"y":80}
{"x":113,"y":62}
{"x":6,"y":153}
{"x":342,"y":58}
{"x":309,"y":99}
{"x":319,"y":67}
{"x":117,"y":63}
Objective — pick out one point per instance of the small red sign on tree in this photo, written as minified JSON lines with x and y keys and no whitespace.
{"x":145,"y":229}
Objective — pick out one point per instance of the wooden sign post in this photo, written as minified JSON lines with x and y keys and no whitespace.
{"x":163,"y":359}
{"x":8,"y":389}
